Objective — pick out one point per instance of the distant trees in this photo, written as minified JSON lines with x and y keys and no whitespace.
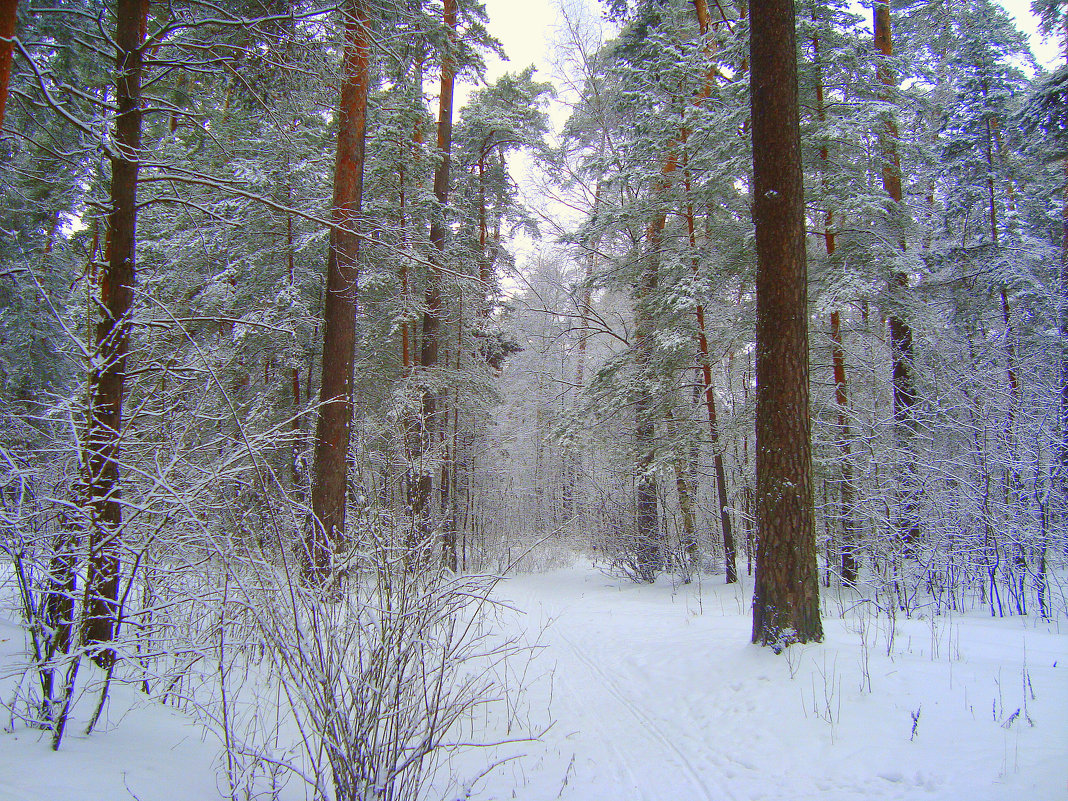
{"x":925,"y":268}
{"x":185,"y":369}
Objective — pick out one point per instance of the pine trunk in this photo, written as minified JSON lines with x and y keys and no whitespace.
{"x":8,"y":15}
{"x":339,"y":312}
{"x":786,"y":595}
{"x":107,"y":380}
{"x":421,"y":484}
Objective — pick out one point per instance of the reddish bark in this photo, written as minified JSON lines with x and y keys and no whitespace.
{"x":339,"y":315}
{"x":729,"y":550}
{"x":646,"y":498}
{"x":107,"y":380}
{"x":8,"y":15}
{"x":786,"y":594}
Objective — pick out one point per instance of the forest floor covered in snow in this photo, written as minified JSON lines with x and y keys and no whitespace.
{"x":653,"y":692}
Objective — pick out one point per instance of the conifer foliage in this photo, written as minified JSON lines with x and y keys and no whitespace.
{"x":271,"y":363}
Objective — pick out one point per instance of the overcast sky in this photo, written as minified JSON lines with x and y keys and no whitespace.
{"x":526,"y":30}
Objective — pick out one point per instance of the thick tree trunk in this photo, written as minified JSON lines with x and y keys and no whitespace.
{"x":330,"y":475}
{"x":107,"y":380}
{"x":8,"y":15}
{"x":786,"y":595}
{"x":421,"y":483}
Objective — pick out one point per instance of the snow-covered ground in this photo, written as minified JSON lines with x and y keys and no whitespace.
{"x":654,"y":693}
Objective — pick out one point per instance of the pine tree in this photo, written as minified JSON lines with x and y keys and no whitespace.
{"x":339,"y":316}
{"x":113,"y":334}
{"x":786,"y":594}
{"x":8,"y":16}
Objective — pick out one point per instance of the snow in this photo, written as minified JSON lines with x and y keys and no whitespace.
{"x":653,"y":692}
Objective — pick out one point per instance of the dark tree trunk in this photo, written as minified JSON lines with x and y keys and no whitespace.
{"x":8,"y":14}
{"x":421,"y":483}
{"x":339,"y":314}
{"x":108,"y":376}
{"x":786,"y":595}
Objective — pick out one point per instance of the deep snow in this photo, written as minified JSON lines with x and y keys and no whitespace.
{"x":654,"y":693}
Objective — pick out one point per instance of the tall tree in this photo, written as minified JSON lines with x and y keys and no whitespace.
{"x":786,"y":593}
{"x":901,"y":340}
{"x":847,"y":488}
{"x":113,"y":333}
{"x":422,"y":479}
{"x":339,"y":329}
{"x":8,"y":14}
{"x":1053,"y":21}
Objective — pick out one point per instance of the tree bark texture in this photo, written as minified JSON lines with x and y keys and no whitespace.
{"x":786,"y":594}
{"x":648,"y":552}
{"x":339,"y":315}
{"x":900,"y":331}
{"x":107,"y":379}
{"x":8,"y":15}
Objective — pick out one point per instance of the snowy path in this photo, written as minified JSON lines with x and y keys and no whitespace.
{"x":656,"y":695}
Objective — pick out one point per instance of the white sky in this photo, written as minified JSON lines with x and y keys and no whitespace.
{"x":526,"y":30}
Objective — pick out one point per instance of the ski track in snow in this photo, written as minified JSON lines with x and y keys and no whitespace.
{"x":649,"y":723}
{"x":660,"y":697}
{"x":654,"y":694}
